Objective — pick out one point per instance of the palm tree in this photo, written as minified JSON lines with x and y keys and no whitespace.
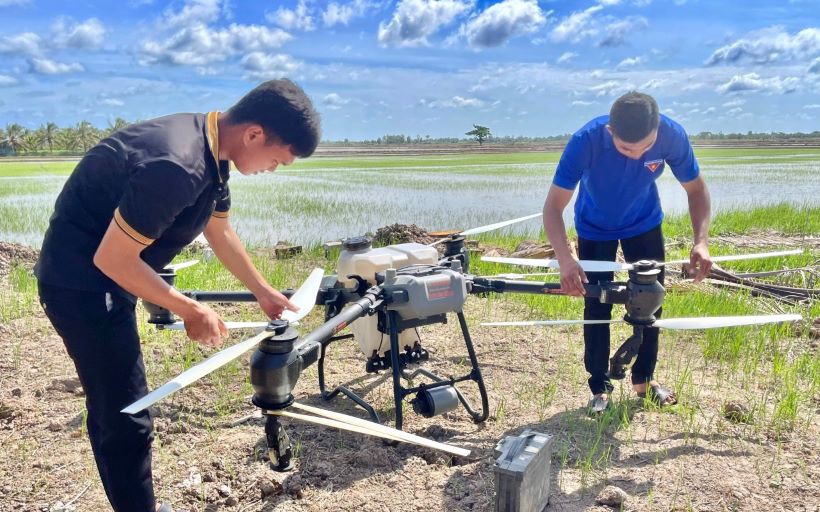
{"x":14,"y":136}
{"x":48,"y":135}
{"x":67,"y":139}
{"x":86,"y":135}
{"x":118,"y":124}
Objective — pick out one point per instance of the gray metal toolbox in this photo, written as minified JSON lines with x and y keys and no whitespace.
{"x":522,"y":472}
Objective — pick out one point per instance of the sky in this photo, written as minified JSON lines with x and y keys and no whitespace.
{"x":417,"y":67}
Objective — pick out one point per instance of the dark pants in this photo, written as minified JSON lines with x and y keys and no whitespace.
{"x":648,"y":246}
{"x":102,"y":340}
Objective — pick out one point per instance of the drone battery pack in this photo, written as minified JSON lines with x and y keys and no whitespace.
{"x":522,"y":472}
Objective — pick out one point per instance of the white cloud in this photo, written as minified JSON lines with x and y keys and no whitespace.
{"x":501,"y":21}
{"x":566,"y":57}
{"x":617,"y":32}
{"x":200,"y":45}
{"x":334,"y":102}
{"x":576,"y":26}
{"x":341,"y":13}
{"x":611,"y":88}
{"x":753,"y":82}
{"x":735,"y":111}
{"x":50,"y":67}
{"x":735,"y":103}
{"x":454,"y":102}
{"x":7,"y":3}
{"x":88,"y":34}
{"x":814,"y":67}
{"x":654,"y":83}
{"x":609,"y":2}
{"x":582,"y":103}
{"x":812,"y":106}
{"x":112,"y":102}
{"x":769,"y":45}
{"x":194,"y":12}
{"x":415,"y":20}
{"x":262,"y":66}
{"x":27,"y":43}
{"x":630,"y":62}
{"x":298,"y":18}
{"x":7,"y":81}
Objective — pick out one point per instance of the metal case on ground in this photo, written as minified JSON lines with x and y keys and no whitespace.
{"x":522,"y":472}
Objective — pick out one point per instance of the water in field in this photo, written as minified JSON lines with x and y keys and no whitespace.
{"x":330,"y":199}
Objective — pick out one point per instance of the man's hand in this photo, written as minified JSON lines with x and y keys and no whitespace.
{"x":700,"y":263}
{"x":273,"y":303}
{"x":573,"y":278}
{"x":204,"y":326}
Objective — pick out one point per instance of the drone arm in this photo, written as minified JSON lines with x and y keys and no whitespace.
{"x":219,"y":296}
{"x":483,"y":285}
{"x":354,"y":311}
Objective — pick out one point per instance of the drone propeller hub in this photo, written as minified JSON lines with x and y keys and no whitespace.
{"x":647,"y":267}
{"x":278,"y":326}
{"x":275,"y":368}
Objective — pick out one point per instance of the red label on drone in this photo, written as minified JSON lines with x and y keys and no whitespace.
{"x":340,"y":327}
{"x":439,"y":289}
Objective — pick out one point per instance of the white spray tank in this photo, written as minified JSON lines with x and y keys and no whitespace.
{"x":359,"y":258}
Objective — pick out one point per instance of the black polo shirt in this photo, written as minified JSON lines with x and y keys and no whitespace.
{"x":159,"y":180}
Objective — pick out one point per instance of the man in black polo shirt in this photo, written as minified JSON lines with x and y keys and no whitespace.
{"x":133,"y":202}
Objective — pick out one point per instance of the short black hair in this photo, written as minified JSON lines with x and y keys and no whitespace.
{"x":284,"y":112}
{"x":634,"y":116}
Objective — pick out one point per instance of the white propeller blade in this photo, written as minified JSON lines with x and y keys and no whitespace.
{"x":304,"y":297}
{"x":522,"y":276}
{"x":195,"y":373}
{"x":722,"y":321}
{"x":498,"y":225}
{"x":180,"y":326}
{"x":587,"y":265}
{"x":371,"y":428}
{"x":713,"y":322}
{"x":490,"y":227}
{"x":738,"y":257}
{"x":173,"y":267}
{"x":612,"y":266}
{"x":549,"y":322}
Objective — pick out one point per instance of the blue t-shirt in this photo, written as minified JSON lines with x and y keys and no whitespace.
{"x":618,"y":197}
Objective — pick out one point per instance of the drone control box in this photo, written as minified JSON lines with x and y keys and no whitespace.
{"x":522,"y":472}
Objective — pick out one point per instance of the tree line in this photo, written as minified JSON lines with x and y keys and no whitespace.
{"x":49,"y":138}
{"x":77,"y":139}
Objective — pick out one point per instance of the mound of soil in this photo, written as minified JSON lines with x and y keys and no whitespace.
{"x":402,"y":233}
{"x":11,"y":253}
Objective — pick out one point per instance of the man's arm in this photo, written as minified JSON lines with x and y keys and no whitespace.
{"x":118,"y":257}
{"x":699,"y":211}
{"x":572,"y":276}
{"x":231,"y":252}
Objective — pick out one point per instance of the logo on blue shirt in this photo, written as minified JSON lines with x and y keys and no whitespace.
{"x":653,"y":165}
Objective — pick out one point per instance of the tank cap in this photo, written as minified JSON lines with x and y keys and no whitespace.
{"x":356,"y":243}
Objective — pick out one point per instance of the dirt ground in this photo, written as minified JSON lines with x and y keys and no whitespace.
{"x":210,"y":454}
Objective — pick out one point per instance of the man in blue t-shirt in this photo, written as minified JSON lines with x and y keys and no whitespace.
{"x":616,"y":159}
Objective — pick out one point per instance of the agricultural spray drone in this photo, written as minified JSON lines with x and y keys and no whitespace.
{"x":383,"y":296}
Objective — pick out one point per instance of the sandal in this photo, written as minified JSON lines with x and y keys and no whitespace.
{"x":659,"y":395}
{"x":598,"y":404}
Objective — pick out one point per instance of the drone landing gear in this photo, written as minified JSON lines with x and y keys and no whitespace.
{"x":327,"y":396}
{"x":625,"y":354}
{"x":280,"y":449}
{"x":438,"y":397}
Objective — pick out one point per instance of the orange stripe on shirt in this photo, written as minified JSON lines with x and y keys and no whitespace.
{"x":128,"y":230}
